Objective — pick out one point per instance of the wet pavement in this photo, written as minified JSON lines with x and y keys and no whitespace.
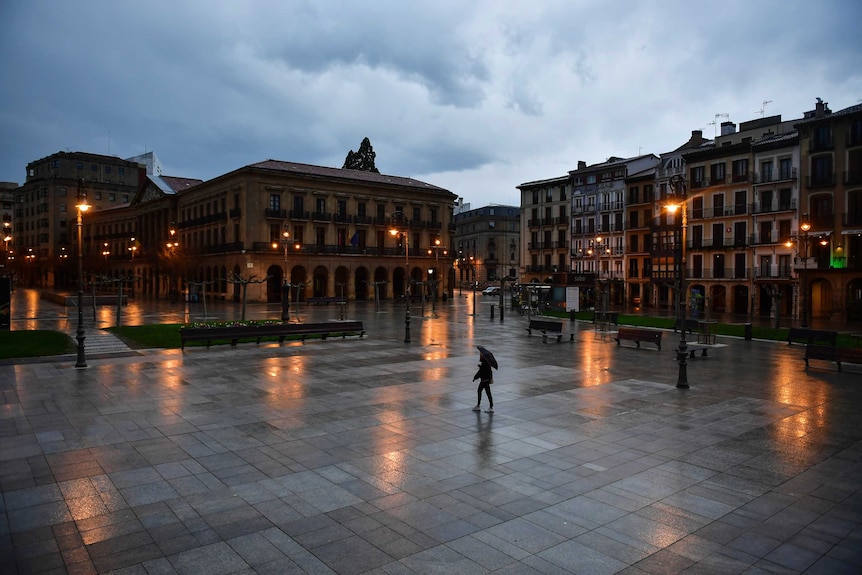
{"x":364,"y":456}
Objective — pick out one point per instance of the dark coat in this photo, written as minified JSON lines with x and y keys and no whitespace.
{"x":484,"y":374}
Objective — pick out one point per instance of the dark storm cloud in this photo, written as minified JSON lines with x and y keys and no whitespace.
{"x":476,"y":97}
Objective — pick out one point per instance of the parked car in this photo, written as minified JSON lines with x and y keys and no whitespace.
{"x":491,"y":290}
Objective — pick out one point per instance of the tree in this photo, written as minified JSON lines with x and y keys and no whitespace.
{"x":362,"y":160}
{"x":244,"y":281}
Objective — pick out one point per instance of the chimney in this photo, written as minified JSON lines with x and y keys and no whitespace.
{"x":822,"y":109}
{"x":728,"y":128}
{"x":696,"y":137}
{"x":582,"y":165}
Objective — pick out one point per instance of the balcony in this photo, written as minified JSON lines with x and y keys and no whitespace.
{"x":820,"y":180}
{"x":363,"y":220}
{"x":773,"y":272}
{"x":821,"y":144}
{"x":342,"y":219}
{"x":298,"y":215}
{"x":741,"y":178}
{"x":702,"y":183}
{"x":854,"y":220}
{"x":774,"y":206}
{"x":772,"y":177}
{"x":853,"y":177}
{"x":235,"y":213}
{"x":321,"y":216}
{"x":275,"y":213}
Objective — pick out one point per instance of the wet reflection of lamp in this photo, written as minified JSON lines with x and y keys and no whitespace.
{"x":82,"y":206}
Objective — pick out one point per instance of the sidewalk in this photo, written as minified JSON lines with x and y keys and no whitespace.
{"x":363,"y":455}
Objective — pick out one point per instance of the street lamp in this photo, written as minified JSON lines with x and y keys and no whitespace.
{"x":805,"y":227}
{"x":82,"y":206}
{"x":678,"y":189}
{"x":436,"y":275}
{"x":172,"y":244}
{"x":399,"y":221}
{"x":106,"y":252}
{"x":285,"y":286}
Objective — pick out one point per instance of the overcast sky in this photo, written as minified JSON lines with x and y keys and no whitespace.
{"x":473,"y":96}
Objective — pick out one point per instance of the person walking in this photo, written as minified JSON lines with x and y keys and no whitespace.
{"x":486,"y":378}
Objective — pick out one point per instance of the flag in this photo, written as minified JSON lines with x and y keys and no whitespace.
{"x":354,"y":241}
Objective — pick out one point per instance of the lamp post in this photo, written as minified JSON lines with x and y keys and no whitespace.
{"x":399,"y":223}
{"x":435,"y":281}
{"x":172,"y":245}
{"x":805,"y":227}
{"x":82,"y":206}
{"x":678,"y":189}
{"x":285,"y":286}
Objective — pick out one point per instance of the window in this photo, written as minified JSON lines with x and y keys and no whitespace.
{"x":361,"y":209}
{"x":275,"y":202}
{"x":320,"y":205}
{"x":417,"y":214}
{"x":112,"y":197}
{"x":549,"y":195}
{"x":433,"y":215}
{"x":785,"y":169}
{"x":61,"y":207}
{"x":717,"y":173}
{"x":822,"y":137}
{"x":94,"y":168}
{"x":341,"y":208}
{"x":766,"y":171}
{"x":740,"y":170}
{"x":697,"y":177}
{"x":633,"y":195}
{"x":97,"y":195}
{"x":107,"y":169}
{"x":125,"y":198}
{"x":121,"y":171}
{"x":821,"y":170}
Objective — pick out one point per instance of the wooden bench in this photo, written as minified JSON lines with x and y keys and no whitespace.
{"x":638,"y":334}
{"x":812,"y":336}
{"x":547,"y":327}
{"x":280,"y":331}
{"x":833,"y":353}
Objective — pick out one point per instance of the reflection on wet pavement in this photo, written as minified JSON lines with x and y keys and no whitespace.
{"x":363,"y":456}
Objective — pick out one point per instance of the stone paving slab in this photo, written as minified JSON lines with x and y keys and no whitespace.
{"x":363,"y":456}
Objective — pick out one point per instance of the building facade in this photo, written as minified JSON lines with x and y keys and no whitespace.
{"x":326,"y":232}
{"x":544,"y":225}
{"x":831,"y":201}
{"x":487,"y":244}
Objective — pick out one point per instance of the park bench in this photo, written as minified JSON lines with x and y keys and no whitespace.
{"x":812,"y":336}
{"x":280,"y":331}
{"x":691,"y":348}
{"x":325,"y":300}
{"x":546,"y":327}
{"x":833,"y":353}
{"x":639,"y":334}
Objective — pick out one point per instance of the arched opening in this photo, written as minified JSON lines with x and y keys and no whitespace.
{"x":298,"y":277}
{"x":854,"y":300}
{"x":821,"y":298}
{"x":342,"y":278}
{"x":381,"y":281}
{"x":718,"y":299}
{"x":360,"y":284}
{"x":318,"y":281}
{"x":398,"y":282}
{"x":740,"y":299}
{"x":274,"y":276}
{"x":237,"y":289}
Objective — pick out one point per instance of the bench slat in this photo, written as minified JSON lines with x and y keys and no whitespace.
{"x":638,"y":335}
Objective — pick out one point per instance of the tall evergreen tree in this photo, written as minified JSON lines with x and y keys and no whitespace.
{"x":362,"y":160}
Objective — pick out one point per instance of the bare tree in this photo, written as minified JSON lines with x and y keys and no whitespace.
{"x":244,"y":282}
{"x":363,"y":160}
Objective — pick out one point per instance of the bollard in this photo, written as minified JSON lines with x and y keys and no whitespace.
{"x":492,"y":312}
{"x":747,"y":329}
{"x":501,"y":313}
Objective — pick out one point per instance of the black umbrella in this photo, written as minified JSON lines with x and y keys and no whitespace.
{"x":489,"y":357}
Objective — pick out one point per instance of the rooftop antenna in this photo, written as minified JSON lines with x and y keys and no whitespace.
{"x":714,"y":123}
{"x":762,"y":109}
